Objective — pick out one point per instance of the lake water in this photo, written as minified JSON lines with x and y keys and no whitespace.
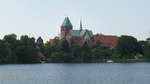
{"x":88,"y":73}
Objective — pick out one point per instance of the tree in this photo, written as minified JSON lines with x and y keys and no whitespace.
{"x":11,"y":43}
{"x":76,"y":51}
{"x":49,"y":49}
{"x":98,"y":44}
{"x":127,"y":46}
{"x":26,"y":51}
{"x":86,"y":52}
{"x":147,"y":49}
{"x":101,"y":53}
{"x":11,"y":38}
{"x":141,"y":46}
{"x":64,"y":46}
{"x":4,"y":52}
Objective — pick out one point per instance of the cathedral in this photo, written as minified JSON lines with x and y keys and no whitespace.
{"x":75,"y":37}
{"x":82,"y":36}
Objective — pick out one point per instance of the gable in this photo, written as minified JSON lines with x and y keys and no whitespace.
{"x":87,"y":36}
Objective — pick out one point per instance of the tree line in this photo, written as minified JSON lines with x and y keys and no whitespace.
{"x":128,"y":48}
{"x":18,"y":51}
{"x":25,"y":49}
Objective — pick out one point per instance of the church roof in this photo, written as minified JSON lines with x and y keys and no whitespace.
{"x":75,"y":32}
{"x":66,"y":23}
{"x":86,"y":34}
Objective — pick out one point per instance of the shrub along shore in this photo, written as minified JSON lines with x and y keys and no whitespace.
{"x":25,"y":49}
{"x":100,"y":61}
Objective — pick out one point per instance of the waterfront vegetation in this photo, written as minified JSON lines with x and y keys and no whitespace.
{"x":24,"y":50}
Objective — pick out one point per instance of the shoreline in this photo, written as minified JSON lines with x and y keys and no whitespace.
{"x":99,"y":61}
{"x":93,"y":61}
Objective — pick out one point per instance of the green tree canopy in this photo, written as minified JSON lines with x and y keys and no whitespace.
{"x":147,"y":49}
{"x":127,"y":46}
{"x":11,"y":43}
{"x":64,"y":46}
{"x":5,"y":52}
{"x":26,"y":51}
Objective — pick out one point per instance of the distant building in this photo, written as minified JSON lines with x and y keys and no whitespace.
{"x":75,"y":37}
{"x":55,"y":41}
{"x":107,"y":40}
{"x":82,"y":36}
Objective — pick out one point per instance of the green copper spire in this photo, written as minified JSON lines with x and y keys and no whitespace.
{"x":66,"y":23}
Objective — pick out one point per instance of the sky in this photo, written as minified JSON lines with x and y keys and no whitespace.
{"x":44,"y":17}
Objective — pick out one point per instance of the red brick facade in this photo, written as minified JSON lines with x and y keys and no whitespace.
{"x":54,"y":41}
{"x":64,"y":31}
{"x":107,"y":40}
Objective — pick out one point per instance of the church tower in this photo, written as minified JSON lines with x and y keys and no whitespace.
{"x":66,"y":27}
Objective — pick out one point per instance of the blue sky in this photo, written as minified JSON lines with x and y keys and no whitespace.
{"x":44,"y":17}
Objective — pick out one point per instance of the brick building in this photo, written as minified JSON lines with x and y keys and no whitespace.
{"x":75,"y":37}
{"x":82,"y":36}
{"x":107,"y":40}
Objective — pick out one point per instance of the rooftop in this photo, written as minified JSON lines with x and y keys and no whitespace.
{"x":66,"y":23}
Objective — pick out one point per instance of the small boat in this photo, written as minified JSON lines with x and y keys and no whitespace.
{"x":109,"y":61}
{"x":43,"y":62}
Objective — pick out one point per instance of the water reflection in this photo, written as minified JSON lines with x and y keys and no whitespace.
{"x":90,"y":73}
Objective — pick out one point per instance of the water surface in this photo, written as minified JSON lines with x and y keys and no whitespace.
{"x":88,"y":73}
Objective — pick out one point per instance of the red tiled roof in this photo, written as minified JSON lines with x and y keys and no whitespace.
{"x":107,"y":40}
